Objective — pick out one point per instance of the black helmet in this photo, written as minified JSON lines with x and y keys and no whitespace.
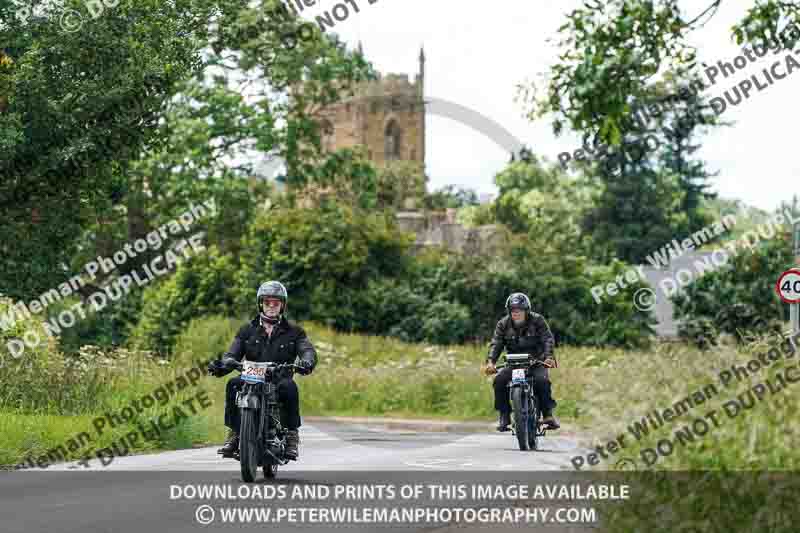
{"x":519,"y":300}
{"x":272,"y":289}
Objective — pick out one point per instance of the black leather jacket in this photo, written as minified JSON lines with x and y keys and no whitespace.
{"x":534,"y":336}
{"x":287,"y":342}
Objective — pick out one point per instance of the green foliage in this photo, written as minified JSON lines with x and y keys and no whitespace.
{"x":85,"y":119}
{"x":450,"y":196}
{"x":350,"y":176}
{"x":450,"y":298}
{"x":476,"y":215}
{"x":42,"y":379}
{"x":109,"y":327}
{"x":324,"y":257}
{"x":559,"y":285}
{"x":748,"y":218}
{"x":206,"y":337}
{"x":739,"y":298}
{"x":635,"y":214}
{"x":78,"y":109}
{"x":543,"y":201}
{"x":200,"y":286}
{"x":398,"y":181}
{"x":446,"y":322}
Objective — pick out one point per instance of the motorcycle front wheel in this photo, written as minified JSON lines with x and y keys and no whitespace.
{"x":533,"y":425}
{"x":248,"y":447}
{"x":519,"y":404}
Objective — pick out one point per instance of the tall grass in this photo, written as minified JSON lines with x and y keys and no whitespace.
{"x":753,"y":454}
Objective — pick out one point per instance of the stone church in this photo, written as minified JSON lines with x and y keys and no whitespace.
{"x":387,"y":117}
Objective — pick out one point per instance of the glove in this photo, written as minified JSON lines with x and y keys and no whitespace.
{"x":488,"y":368}
{"x":305,"y":368}
{"x":549,"y":362}
{"x":218,"y":369}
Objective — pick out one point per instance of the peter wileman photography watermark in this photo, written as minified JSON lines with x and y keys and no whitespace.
{"x":642,"y":113}
{"x":158,"y":266}
{"x":702,"y":425}
{"x":149,"y":432}
{"x":645,"y":298}
{"x":292,"y":9}
{"x":662,"y":258}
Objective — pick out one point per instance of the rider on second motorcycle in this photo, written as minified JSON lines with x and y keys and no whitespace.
{"x":268,"y":337}
{"x":522,"y":331}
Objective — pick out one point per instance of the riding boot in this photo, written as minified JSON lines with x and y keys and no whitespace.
{"x":550,"y":421}
{"x":231,"y":445}
{"x":292,"y":444}
{"x":504,"y":422}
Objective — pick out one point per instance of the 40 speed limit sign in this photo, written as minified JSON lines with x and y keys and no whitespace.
{"x":788,"y":286}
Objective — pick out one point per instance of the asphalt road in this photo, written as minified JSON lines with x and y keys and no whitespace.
{"x":133,"y":493}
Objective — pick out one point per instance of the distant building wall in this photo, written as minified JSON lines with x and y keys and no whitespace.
{"x":439,"y":228}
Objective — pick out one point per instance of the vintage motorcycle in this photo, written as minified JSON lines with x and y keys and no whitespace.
{"x":526,"y":421}
{"x":262,"y":438}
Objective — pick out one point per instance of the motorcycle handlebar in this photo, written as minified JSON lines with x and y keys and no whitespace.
{"x":535,"y":362}
{"x":233,"y":363}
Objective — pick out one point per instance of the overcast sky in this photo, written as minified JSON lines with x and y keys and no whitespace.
{"x":477,"y":53}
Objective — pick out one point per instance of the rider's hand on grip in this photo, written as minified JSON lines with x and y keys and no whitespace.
{"x":218,"y":369}
{"x":305,"y":368}
{"x":488,"y":368}
{"x":550,"y":363}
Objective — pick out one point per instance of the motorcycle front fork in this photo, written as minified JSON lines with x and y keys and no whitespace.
{"x":527,"y":393}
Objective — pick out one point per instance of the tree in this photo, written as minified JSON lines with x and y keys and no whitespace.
{"x":324,"y":256}
{"x":544,"y":202}
{"x":612,"y":49}
{"x":451,"y":196}
{"x":636,"y":213}
{"x":134,"y":111}
{"x":78,"y":108}
{"x":398,"y":181}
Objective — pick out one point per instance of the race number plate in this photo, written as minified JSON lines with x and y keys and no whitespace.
{"x":254,"y":372}
{"x":518,"y":375}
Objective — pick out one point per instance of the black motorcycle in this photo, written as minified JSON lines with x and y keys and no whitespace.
{"x":526,"y":420}
{"x":262,"y":438}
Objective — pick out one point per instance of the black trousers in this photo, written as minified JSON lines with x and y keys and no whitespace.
{"x":541,"y":387}
{"x":288,"y":396}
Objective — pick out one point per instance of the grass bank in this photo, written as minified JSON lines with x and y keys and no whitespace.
{"x":600,"y":391}
{"x":357,"y":376}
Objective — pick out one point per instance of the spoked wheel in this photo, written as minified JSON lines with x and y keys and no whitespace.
{"x":519,"y":403}
{"x":533,"y":426}
{"x":248,"y":447}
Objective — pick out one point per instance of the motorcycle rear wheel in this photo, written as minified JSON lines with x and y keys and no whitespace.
{"x":248,"y":447}
{"x":519,"y":405}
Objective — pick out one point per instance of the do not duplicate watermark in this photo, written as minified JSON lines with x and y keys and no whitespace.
{"x":156,"y":267}
{"x":700,"y":426}
{"x":151,"y":431}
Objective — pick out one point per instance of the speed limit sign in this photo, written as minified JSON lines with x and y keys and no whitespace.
{"x":788,"y":286}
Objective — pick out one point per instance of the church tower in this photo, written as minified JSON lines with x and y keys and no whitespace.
{"x":387,"y":116}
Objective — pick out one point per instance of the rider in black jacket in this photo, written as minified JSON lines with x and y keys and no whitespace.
{"x":522,"y":331}
{"x":268,"y":337}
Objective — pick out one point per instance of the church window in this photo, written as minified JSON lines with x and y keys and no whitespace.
{"x":392,"y":142}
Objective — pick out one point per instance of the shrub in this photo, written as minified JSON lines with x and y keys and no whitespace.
{"x":739,"y":298}
{"x":323,"y":256}
{"x":205,"y":337}
{"x":110,"y":327}
{"x":200,"y":286}
{"x":41,"y":379}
